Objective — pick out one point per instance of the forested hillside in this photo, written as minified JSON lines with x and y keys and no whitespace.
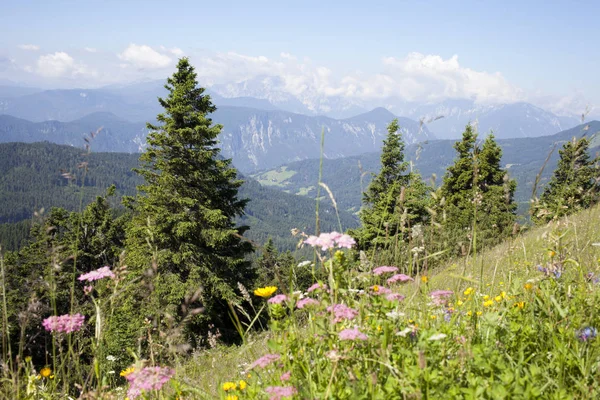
{"x":44,"y":175}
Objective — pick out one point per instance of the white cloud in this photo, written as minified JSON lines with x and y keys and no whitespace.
{"x":29,"y":47}
{"x":61,"y":64}
{"x":145,"y":57}
{"x":176,"y":51}
{"x":90,"y":49}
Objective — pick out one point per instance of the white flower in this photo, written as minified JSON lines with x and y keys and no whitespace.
{"x":438,"y":336}
{"x":404,"y":332}
{"x":394,"y":315}
{"x":111,"y":358}
{"x":304,"y":264}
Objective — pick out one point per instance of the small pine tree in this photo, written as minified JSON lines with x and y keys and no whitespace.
{"x":575,"y":184}
{"x":394,"y":201}
{"x":183,"y":229}
{"x":479,"y":196}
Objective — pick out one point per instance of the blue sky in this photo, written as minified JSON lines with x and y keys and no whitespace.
{"x":545,"y":52}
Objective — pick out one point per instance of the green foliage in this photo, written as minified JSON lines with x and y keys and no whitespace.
{"x":479,"y":196}
{"x":183,"y":228}
{"x":575,"y":184}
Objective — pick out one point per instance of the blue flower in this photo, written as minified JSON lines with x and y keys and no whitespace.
{"x":586,"y":334}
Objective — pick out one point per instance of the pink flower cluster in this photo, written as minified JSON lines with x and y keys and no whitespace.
{"x":100,"y":273}
{"x":317,"y":286}
{"x":265,"y":360}
{"x":399,"y":278}
{"x":394,"y":297}
{"x":384,"y":270}
{"x":64,"y":323}
{"x":352,"y":334}
{"x":306,"y":302}
{"x":280,"y":298}
{"x":440,"y":297}
{"x":342,"y":312}
{"x":148,"y":378}
{"x":329,"y":240}
{"x":279,"y":392}
{"x":379,"y":290}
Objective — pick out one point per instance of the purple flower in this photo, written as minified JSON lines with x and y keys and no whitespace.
{"x":306,"y":302}
{"x":280,"y":298}
{"x":316,"y":286}
{"x":586,"y":334}
{"x":64,"y":323}
{"x":100,"y":273}
{"x":352,"y":334}
{"x":279,"y":392}
{"x":394,"y":297}
{"x":384,"y":270}
{"x":342,"y":312}
{"x":265,"y":360}
{"x":148,"y":378}
{"x":399,"y":278}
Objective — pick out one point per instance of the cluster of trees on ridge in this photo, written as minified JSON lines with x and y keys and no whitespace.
{"x":180,"y":258}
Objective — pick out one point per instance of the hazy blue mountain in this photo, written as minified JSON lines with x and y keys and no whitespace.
{"x":348,"y":177}
{"x":11,"y":91}
{"x":254,"y":139}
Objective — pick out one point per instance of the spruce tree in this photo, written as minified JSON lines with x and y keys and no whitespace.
{"x":574,"y":185}
{"x":183,"y":228}
{"x":394,"y":201}
{"x":479,"y":196}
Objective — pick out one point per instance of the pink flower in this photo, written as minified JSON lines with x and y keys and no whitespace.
{"x":394,"y":297}
{"x":329,"y":240}
{"x":100,"y":273}
{"x":441,"y":293}
{"x":64,"y":323}
{"x":88,"y":289}
{"x":286,"y":376}
{"x":306,"y":302}
{"x":352,"y":334}
{"x":265,"y":360}
{"x":316,"y":286}
{"x":280,"y":298}
{"x":384,"y":270}
{"x":380,"y":290}
{"x":399,"y":278}
{"x":279,"y":392}
{"x":346,"y":241}
{"x":148,"y":378}
{"x":342,"y":312}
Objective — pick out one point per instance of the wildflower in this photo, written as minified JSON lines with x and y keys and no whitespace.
{"x":528,"y":286}
{"x":479,"y":313}
{"x":285,"y":376}
{"x":28,"y":359}
{"x":424,"y":279}
{"x":352,"y":334}
{"x":279,"y":392}
{"x":88,"y":289}
{"x":384,"y":270}
{"x":498,"y":299}
{"x":488,"y":303}
{"x":586,"y":333}
{"x":459,"y":303}
{"x":469,"y":313}
{"x":503,"y":294}
{"x":227,"y":386}
{"x":380,"y":290}
{"x":316,"y":286}
{"x":394,"y":315}
{"x":280,"y":298}
{"x":486,"y":297}
{"x":242,"y":384}
{"x":64,"y":323}
{"x":306,"y":302}
{"x":231,"y":397}
{"x":100,"y":273}
{"x":148,"y":378}
{"x":399,"y":278}
{"x":551,"y":253}
{"x":333,"y":355}
{"x":304,"y":264}
{"x":346,"y":241}
{"x":265,"y":360}
{"x":265,"y":292}
{"x":342,"y":312}
{"x":437,"y":336}
{"x":45,"y":372}
{"x":127,"y":371}
{"x":441,"y":293}
{"x":111,"y":358}
{"x":520,"y":304}
{"x":394,"y":297}
{"x":328,"y":240}
{"x":468,"y":291}
{"x":433,"y":316}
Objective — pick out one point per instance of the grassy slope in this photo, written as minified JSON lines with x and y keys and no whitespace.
{"x":502,"y":267}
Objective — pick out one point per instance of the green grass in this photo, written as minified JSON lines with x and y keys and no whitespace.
{"x":275,"y":177}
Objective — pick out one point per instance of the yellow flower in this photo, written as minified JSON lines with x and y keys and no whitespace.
{"x":503,"y":294}
{"x":488,"y":284}
{"x":479,"y":313}
{"x":486,"y":297}
{"x":45,"y":372}
{"x":469,"y":313}
{"x":378,"y":328}
{"x":551,"y":253}
{"x":266,"y":291}
{"x":498,"y":298}
{"x":28,"y":359}
{"x":227,"y":386}
{"x":468,"y":291}
{"x":520,"y":304}
{"x":528,"y":286}
{"x":424,"y":279}
{"x":242,"y":384}
{"x":433,"y":317}
{"x":127,"y":371}
{"x":459,"y":303}
{"x":375,"y":288}
{"x":501,"y":283}
{"x":231,"y":397}
{"x":488,"y":303}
